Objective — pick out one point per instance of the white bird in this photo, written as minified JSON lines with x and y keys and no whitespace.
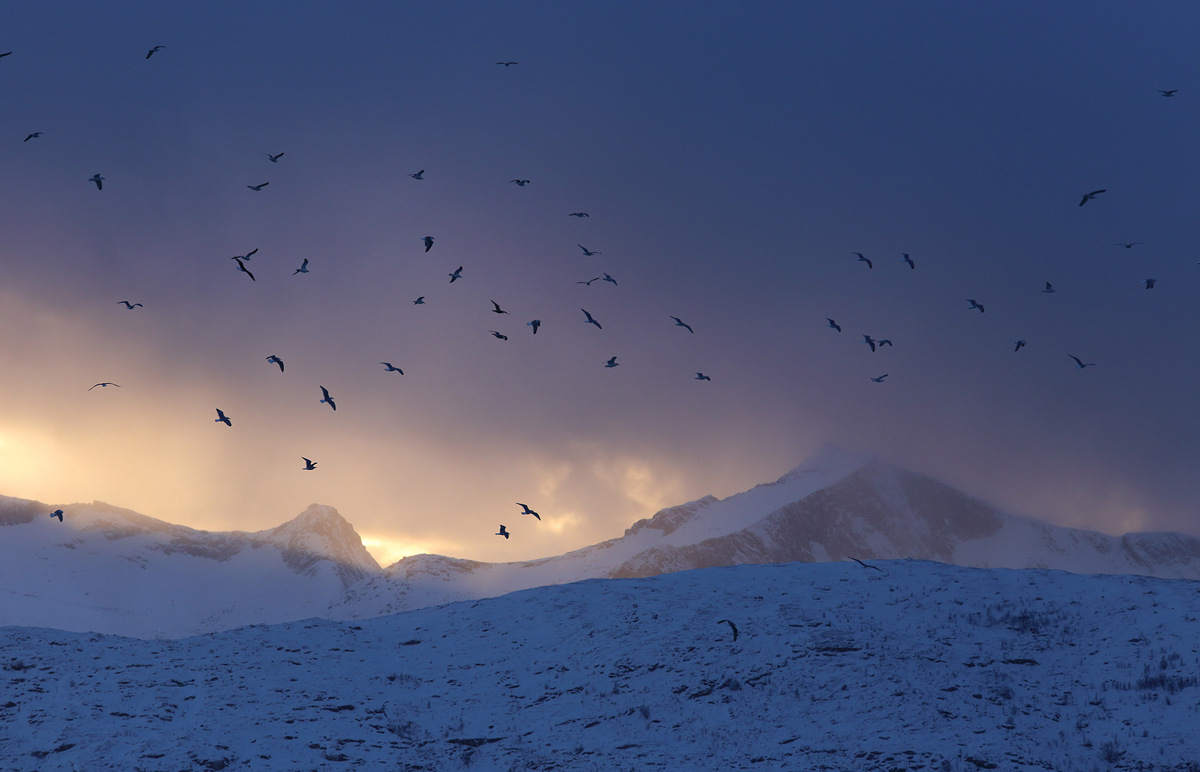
{"x":258,"y":187}
{"x":96,"y":178}
{"x":1089,"y":196}
{"x":611,"y":362}
{"x":222,"y":418}
{"x":276,"y":361}
{"x":391,"y":368}
{"x":302,"y":269}
{"x":273,"y":158}
{"x":326,"y":398}
{"x":309,"y":465}
{"x":1080,"y":363}
{"x":974,"y":305}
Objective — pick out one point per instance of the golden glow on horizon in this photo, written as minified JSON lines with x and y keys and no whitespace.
{"x":387,"y":550}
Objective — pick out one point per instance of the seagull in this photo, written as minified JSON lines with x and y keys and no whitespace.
{"x":572,"y":214}
{"x":276,"y":361}
{"x":521,"y":183}
{"x":1019,"y":343}
{"x":391,"y":368}
{"x":57,"y":513}
{"x":246,"y":256}
{"x":866,"y":565}
{"x":34,"y":135}
{"x":498,"y":309}
{"x":428,"y":242}
{"x":456,"y":275}
{"x":273,"y":158}
{"x":1080,"y":363}
{"x":1149,"y":283}
{"x":974,"y":305}
{"x":883,"y":342}
{"x":908,"y":260}
{"x":502,"y":532}
{"x":701,"y":377}
{"x":1127,"y":244}
{"x":96,"y":178}
{"x":590,"y":320}
{"x":150,"y":53}
{"x":732,"y":627}
{"x":222,"y":418}
{"x":508,"y":64}
{"x":589,"y":281}
{"x":419,"y":301}
{"x":610,"y":280}
{"x":863,"y":259}
{"x":302,"y":269}
{"x":534,"y":324}
{"x":242,"y":267}
{"x":1168,"y":92}
{"x":528,"y":511}
{"x":106,"y":383}
{"x":5,"y":54}
{"x":880,"y":378}
{"x":612,"y":362}
{"x":309,"y":465}
{"x":258,"y":187}
{"x":1049,"y":288}
{"x":869,"y":341}
{"x":833,"y":325}
{"x":587,"y":252}
{"x":1089,"y":196}
{"x":418,"y":176}
{"x":680,"y":323}
{"x":129,"y":305}
{"x":499,"y":335}
{"x":326,"y":398}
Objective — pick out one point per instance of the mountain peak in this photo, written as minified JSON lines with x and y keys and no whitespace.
{"x":830,"y":461}
{"x":321,"y":533}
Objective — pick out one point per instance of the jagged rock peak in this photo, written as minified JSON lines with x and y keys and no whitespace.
{"x":321,"y":532}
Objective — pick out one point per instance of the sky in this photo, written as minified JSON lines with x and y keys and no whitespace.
{"x":732,"y":158}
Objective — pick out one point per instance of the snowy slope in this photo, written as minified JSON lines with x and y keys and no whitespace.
{"x":919,"y":666}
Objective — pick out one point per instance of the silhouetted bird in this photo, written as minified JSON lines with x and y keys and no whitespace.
{"x":863,"y":259}
{"x":222,"y":418}
{"x":866,"y":565}
{"x":833,"y":325}
{"x":701,"y":377}
{"x":1149,"y":283}
{"x":96,"y":178}
{"x":883,"y":342}
{"x":391,"y":368}
{"x":309,"y":465}
{"x":680,"y":323}
{"x":1089,"y":196}
{"x":246,"y":256}
{"x":589,"y":281}
{"x":1018,"y":344}
{"x":527,"y":511}
{"x":1127,"y":244}
{"x":508,"y":64}
{"x":150,"y":53}
{"x":1168,"y":92}
{"x":1049,"y":289}
{"x":732,"y":627}
{"x":612,"y":362}
{"x":499,"y":335}
{"x":1080,"y":363}
{"x":276,"y":361}
{"x":572,"y":214}
{"x":974,"y":305}
{"x":274,"y":158}
{"x":105,"y":384}
{"x":419,"y":175}
{"x":502,"y":532}
{"x":6,"y":53}
{"x":521,"y":183}
{"x":496,"y":309}
{"x":534,"y":324}
{"x":428,"y":242}
{"x":880,"y":378}
{"x":590,"y":320}
{"x":242,"y":267}
{"x":34,"y":135}
{"x":456,"y":275}
{"x":587,"y":252}
{"x":129,"y":305}
{"x":302,"y":269}
{"x":57,"y":513}
{"x":419,"y":301}
{"x":869,"y":341}
{"x":908,"y":260}
{"x":326,"y":398}
{"x":610,"y":280}
{"x":258,"y":187}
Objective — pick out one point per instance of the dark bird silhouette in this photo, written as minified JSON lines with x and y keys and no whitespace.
{"x":242,"y":267}
{"x":1049,"y":289}
{"x":456,"y":275}
{"x":680,"y":323}
{"x":1127,"y":244}
{"x":302,"y":269}
{"x":879,"y":379}
{"x":1149,"y":283}
{"x":610,"y":280}
{"x":7,"y":53}
{"x":974,"y":305}
{"x":701,"y":377}
{"x":1080,"y":363}
{"x":587,"y":252}
{"x":499,"y":335}
{"x":869,"y":341}
{"x":497,"y":309}
{"x":508,"y":64}
{"x":908,"y":260}
{"x":866,"y":565}
{"x":883,"y":342}
{"x":57,"y":513}
{"x":534,"y":324}
{"x":527,"y":511}
{"x":732,"y":627}
{"x":1168,"y":92}
{"x":590,"y":320}
{"x":863,"y":259}
{"x":391,"y":368}
{"x":833,"y":325}
{"x":521,"y":183}
{"x":573,"y":214}
{"x":326,"y":398}
{"x":589,"y":281}
{"x":276,"y":361}
{"x":428,"y":242}
{"x":222,"y":418}
{"x":246,"y":256}
{"x":309,"y":465}
{"x":34,"y":135}
{"x":419,"y":175}
{"x":1089,"y":196}
{"x":274,"y":158}
{"x":129,"y":305}
{"x":105,"y":384}
{"x":1018,"y":344}
{"x":150,"y":53}
{"x":419,"y":301}
{"x":612,"y":362}
{"x":96,"y":178}
{"x":258,"y":187}
{"x":503,"y":532}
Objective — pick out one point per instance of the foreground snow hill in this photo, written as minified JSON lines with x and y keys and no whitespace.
{"x":917,"y":666}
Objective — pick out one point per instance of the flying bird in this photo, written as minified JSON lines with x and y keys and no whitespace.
{"x":326,"y":398}
{"x":499,"y":335}
{"x":610,"y":280}
{"x":1049,"y":289}
{"x":883,"y":342}
{"x":302,"y":269}
{"x":908,"y":260}
{"x":418,"y":175}
{"x":150,"y":53}
{"x":866,"y":565}
{"x":273,"y":158}
{"x":527,"y":511}
{"x":502,"y":532}
{"x":1168,"y":92}
{"x":1127,"y":244}
{"x":1149,"y":283}
{"x":521,"y":183}
{"x":5,"y":54}
{"x":612,"y":362}
{"x":587,"y":252}
{"x":34,"y":135}
{"x":590,"y":320}
{"x":309,"y":465}
{"x":497,"y":309}
{"x":974,"y":305}
{"x":246,"y":256}
{"x":1080,"y":363}
{"x":701,"y":377}
{"x":508,"y":64}
{"x":96,"y":178}
{"x":259,"y":186}
{"x":419,"y":301}
{"x":456,"y":275}
{"x":105,"y":384}
{"x":242,"y":267}
{"x":57,"y":513}
{"x":129,"y":305}
{"x":534,"y":324}
{"x":573,"y":214}
{"x":276,"y":361}
{"x":1089,"y":196}
{"x":222,"y":418}
{"x":833,"y":325}
{"x":869,"y":341}
{"x":863,"y":259}
{"x":732,"y":627}
{"x":680,"y":323}
{"x":1018,"y":344}
{"x":391,"y":368}
{"x":589,"y":281}
{"x":880,"y":378}
{"x":428,"y":242}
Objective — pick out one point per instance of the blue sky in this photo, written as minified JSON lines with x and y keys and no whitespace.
{"x":732,"y":158}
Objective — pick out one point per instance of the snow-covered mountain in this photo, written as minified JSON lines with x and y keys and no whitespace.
{"x":917,"y":666}
{"x":134,"y":575}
